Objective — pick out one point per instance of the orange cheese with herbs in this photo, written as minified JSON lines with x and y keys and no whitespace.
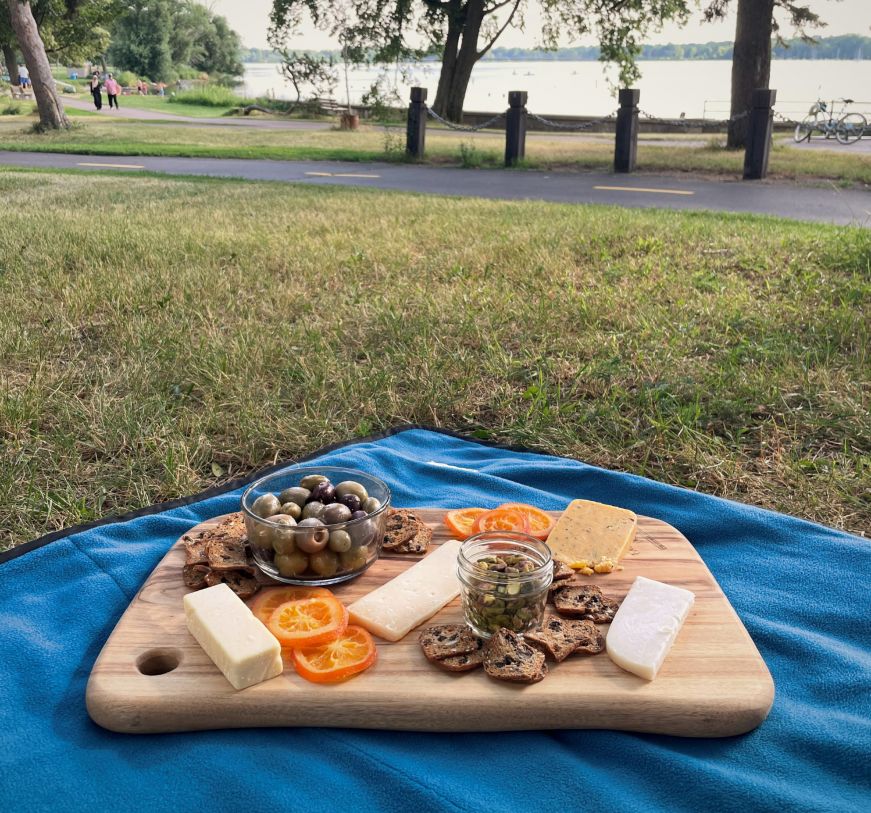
{"x":592,"y":537}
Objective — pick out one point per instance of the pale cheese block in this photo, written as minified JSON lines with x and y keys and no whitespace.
{"x":398,"y":606}
{"x":645,"y":626}
{"x":592,"y":536}
{"x":238,"y":644}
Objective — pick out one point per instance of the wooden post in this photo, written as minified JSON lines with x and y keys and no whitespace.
{"x":759,"y":128}
{"x":626,"y":137}
{"x":515,"y":128}
{"x":415,"y":134}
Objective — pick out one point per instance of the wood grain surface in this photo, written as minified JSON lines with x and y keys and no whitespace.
{"x":152,"y":676}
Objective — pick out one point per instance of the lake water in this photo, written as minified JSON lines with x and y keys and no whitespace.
{"x":668,"y":88}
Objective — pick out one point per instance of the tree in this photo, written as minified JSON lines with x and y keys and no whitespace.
{"x":140,"y":39}
{"x":751,"y":56}
{"x":463,"y":31}
{"x":51,"y":109}
{"x":304,"y":70}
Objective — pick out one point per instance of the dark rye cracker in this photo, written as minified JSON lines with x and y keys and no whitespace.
{"x":194,"y":575}
{"x":446,"y":640}
{"x":418,"y":544}
{"x":586,"y":602}
{"x":508,"y":657}
{"x":226,"y":554}
{"x":561,"y":571}
{"x":465,"y":662}
{"x":242,"y":582}
{"x":400,"y":526}
{"x":560,"y":637}
{"x":195,"y":551}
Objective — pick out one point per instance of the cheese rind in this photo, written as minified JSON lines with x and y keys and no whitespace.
{"x":645,"y":626}
{"x":591,"y":535}
{"x":398,"y":606}
{"x":238,"y":644}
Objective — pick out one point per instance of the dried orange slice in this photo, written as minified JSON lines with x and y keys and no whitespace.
{"x":461,"y":521}
{"x":337,"y":660}
{"x":502,"y":519}
{"x":269,"y":599}
{"x":309,"y":621}
{"x":540,"y":523}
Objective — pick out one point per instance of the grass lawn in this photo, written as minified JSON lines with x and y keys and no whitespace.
{"x":161,"y":104}
{"x":379,"y":144}
{"x":157,"y":336}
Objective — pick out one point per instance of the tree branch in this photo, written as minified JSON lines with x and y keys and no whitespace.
{"x":505,"y":25}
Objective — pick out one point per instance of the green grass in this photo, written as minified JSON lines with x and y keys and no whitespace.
{"x":377,"y":143}
{"x":162,"y":104}
{"x":206,"y":96}
{"x":162,"y":334}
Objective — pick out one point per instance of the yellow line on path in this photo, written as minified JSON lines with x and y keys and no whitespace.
{"x":644,"y":189}
{"x":341,"y":175}
{"x":111,"y":166}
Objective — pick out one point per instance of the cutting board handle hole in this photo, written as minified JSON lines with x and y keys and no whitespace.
{"x":158,"y":661}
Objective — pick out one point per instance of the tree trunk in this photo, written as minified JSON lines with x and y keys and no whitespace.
{"x":449,"y":57}
{"x":11,"y":60}
{"x":457,"y":62}
{"x":751,"y":62}
{"x":51,"y":109}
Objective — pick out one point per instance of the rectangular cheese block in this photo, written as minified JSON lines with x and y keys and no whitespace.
{"x":591,"y":536}
{"x":645,"y":626}
{"x":410,"y":598}
{"x":238,"y":644}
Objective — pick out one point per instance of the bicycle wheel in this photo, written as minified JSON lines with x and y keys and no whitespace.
{"x":804,"y":129}
{"x":851,"y":128}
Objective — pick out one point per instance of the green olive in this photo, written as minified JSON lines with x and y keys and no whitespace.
{"x":335,"y":513}
{"x":311,"y":480}
{"x":266,"y":505}
{"x":311,"y":535}
{"x":295,"y":494}
{"x":313,"y":510}
{"x":324,"y":563}
{"x":292,"y":509}
{"x":285,"y":531}
{"x":352,"y":487}
{"x":259,"y":535}
{"x":362,"y":532}
{"x":370,"y":505}
{"x":354,"y":559}
{"x":291,"y":564}
{"x":340,"y":541}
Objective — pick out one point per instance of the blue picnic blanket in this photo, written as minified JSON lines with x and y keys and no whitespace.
{"x":802,"y":591}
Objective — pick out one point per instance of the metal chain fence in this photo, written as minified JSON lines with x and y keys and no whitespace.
{"x":686,"y":123}
{"x":464,"y":127}
{"x":557,"y":125}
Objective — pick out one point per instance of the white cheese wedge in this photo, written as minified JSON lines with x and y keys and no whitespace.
{"x":645,"y":626}
{"x":240,"y":646}
{"x":414,"y":595}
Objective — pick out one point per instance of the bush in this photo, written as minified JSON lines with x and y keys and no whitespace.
{"x":207,"y":96}
{"x":127,"y":79}
{"x":11,"y":108}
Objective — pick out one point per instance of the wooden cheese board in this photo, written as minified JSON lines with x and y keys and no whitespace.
{"x":152,"y":676}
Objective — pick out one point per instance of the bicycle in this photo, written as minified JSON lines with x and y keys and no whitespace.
{"x":847,"y":128}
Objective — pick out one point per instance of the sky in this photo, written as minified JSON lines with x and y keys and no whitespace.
{"x":250,"y":19}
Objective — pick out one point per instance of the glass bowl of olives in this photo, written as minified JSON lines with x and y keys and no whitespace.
{"x":321,"y":525}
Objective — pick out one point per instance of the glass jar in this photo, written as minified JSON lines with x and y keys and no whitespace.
{"x":504,"y":579}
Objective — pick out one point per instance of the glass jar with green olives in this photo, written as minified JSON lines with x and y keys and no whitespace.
{"x":504,"y":579}
{"x":319,"y":525}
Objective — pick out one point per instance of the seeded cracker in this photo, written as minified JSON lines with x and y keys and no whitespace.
{"x":465,"y":662}
{"x":195,"y":551}
{"x":508,"y":657}
{"x":243,"y":584}
{"x":560,"y":637}
{"x":585,"y":601}
{"x":417,"y":544}
{"x":446,"y":640}
{"x":561,"y":571}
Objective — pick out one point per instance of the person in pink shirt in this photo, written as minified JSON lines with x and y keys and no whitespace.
{"x":113,"y":90}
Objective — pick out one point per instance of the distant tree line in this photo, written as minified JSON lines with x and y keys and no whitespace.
{"x":847,"y":46}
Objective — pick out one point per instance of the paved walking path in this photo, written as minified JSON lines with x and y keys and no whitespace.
{"x":140,"y":114}
{"x":824,"y":204}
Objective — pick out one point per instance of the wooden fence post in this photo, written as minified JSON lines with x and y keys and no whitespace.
{"x":515,"y":128}
{"x":415,"y":133}
{"x":759,"y":128}
{"x":626,"y":136}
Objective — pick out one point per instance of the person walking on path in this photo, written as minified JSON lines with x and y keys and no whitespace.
{"x":113,"y":90}
{"x":95,"y":86}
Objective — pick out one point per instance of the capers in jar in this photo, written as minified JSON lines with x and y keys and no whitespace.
{"x":266,"y":505}
{"x":335,"y":513}
{"x":340,"y":541}
{"x":313,"y":509}
{"x":311,"y":480}
{"x":291,"y":564}
{"x":352,"y":487}
{"x":292,"y":509}
{"x":296,"y":494}
{"x":325,"y":563}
